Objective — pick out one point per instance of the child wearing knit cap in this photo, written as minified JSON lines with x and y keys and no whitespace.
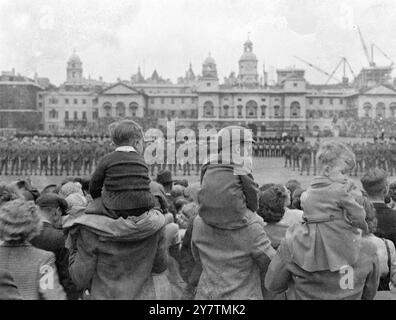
{"x":228,"y":191}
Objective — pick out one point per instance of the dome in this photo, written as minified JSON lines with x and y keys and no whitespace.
{"x":209,"y":60}
{"x":248,"y":43}
{"x":248,"y":56}
{"x":74,"y":58}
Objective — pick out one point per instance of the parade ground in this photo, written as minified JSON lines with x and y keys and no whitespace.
{"x":265,"y":170}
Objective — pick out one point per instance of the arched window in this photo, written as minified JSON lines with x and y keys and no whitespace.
{"x":276,"y":111}
{"x":133,"y":108}
{"x":380,"y":110}
{"x":251,"y":109}
{"x":120,"y":110}
{"x":107,"y":109}
{"x":295,"y":110}
{"x":226,"y":111}
{"x":240,"y":111}
{"x":392,"y":108}
{"x":208,"y":109}
{"x":263,"y":111}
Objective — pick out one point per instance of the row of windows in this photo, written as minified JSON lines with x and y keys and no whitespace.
{"x":120,"y":109}
{"x":67,"y":101}
{"x":174,"y":113}
{"x":327,"y":114}
{"x":251,"y":110}
{"x":173,"y":100}
{"x":54,"y":114}
{"x":321,"y":101}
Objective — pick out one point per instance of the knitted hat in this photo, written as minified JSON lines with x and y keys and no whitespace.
{"x":76,"y":200}
{"x":164,"y":177}
{"x":177,"y":191}
{"x":272,"y":204}
{"x":70,"y":188}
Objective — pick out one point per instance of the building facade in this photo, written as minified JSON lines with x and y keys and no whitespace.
{"x":21,"y":105}
{"x":289,"y":105}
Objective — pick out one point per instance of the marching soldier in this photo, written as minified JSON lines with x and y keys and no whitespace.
{"x":77,"y":158}
{"x":255,"y":150}
{"x":33,"y":158}
{"x":261,"y":147}
{"x":54,"y":157}
{"x":14,"y":157}
{"x":88,"y":158}
{"x":306,"y":156}
{"x":267,"y":148}
{"x":44,"y":155}
{"x":295,"y":153}
{"x":24,"y":156}
{"x":288,"y":152}
{"x":273,"y":149}
{"x":4,"y":154}
{"x":64,"y":158}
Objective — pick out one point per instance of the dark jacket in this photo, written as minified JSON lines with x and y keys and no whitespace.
{"x":386,"y":217}
{"x":284,"y":275}
{"x":52,"y":239}
{"x":33,"y":270}
{"x":126,"y":182}
{"x":225,"y":196}
{"x":115,"y":259}
{"x":189,"y":269}
{"x":233,"y":261}
{"x":8,"y":288}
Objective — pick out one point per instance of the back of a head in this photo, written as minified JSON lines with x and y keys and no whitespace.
{"x":272,"y":204}
{"x":292,"y":185}
{"x":125,"y":132}
{"x":330,"y":151}
{"x":266,"y":186}
{"x":177,"y":191}
{"x":375,"y":183}
{"x":19,"y":221}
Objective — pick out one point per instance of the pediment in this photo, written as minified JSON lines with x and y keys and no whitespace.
{"x":120,"y":89}
{"x":380,"y":90}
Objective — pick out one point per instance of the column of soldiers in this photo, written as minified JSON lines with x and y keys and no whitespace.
{"x":51,"y":156}
{"x":300,"y":155}
{"x":269,"y":148}
{"x":179,"y":163}
{"x":377,"y":154}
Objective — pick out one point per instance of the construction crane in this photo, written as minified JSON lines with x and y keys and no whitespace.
{"x":345,"y":63}
{"x":366,"y":52}
{"x":317,"y":69}
{"x":373,"y":45}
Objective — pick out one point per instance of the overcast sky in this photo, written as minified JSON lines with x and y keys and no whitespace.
{"x":114,"y":37}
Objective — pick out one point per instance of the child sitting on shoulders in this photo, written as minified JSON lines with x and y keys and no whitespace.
{"x":122,"y":178}
{"x":332,"y":212}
